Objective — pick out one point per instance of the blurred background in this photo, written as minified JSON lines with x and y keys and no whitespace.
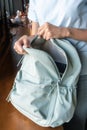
{"x":13,"y":24}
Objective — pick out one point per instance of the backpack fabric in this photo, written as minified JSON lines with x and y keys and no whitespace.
{"x":40,"y":91}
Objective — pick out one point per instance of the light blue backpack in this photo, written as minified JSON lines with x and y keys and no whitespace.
{"x":40,"y":91}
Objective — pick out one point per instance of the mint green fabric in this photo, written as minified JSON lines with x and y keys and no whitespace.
{"x":39,"y":91}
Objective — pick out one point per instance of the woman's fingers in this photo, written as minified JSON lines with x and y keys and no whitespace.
{"x":18,"y":46}
{"x":46,"y":31}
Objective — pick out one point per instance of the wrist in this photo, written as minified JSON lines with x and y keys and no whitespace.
{"x":64,"y":32}
{"x":67,"y":32}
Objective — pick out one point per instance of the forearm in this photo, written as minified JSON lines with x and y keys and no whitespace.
{"x":34,"y":29}
{"x":78,"y":34}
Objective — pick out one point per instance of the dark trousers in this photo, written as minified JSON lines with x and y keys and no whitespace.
{"x":79,"y":120}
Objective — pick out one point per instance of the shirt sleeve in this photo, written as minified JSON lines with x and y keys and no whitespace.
{"x":32,"y":11}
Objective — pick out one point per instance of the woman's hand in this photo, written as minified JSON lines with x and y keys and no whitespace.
{"x":48,"y":31}
{"x":23,"y":41}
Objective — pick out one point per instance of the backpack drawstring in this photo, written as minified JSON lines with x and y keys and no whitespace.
{"x":20,"y":61}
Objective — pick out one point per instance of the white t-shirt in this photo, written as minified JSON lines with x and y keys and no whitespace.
{"x":64,"y":13}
